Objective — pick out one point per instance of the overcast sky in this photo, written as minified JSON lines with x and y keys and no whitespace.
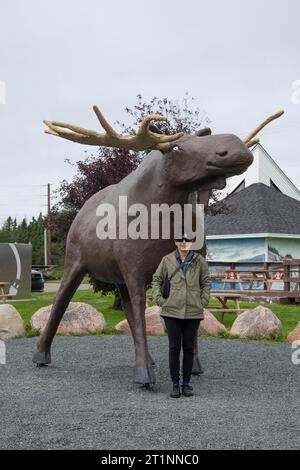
{"x":238,"y":59}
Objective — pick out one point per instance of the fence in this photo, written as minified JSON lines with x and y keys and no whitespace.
{"x":269,"y":277}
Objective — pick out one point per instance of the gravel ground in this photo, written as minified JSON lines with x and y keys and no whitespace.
{"x":248,"y":398}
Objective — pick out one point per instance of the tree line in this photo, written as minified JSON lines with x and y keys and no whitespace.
{"x":31,"y":232}
{"x":25,"y":232}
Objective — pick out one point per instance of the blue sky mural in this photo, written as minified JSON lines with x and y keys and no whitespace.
{"x":279,"y":247}
{"x":236,"y":249}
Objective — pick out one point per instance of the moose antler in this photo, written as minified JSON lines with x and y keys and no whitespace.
{"x":249,"y":139}
{"x":144,"y":139}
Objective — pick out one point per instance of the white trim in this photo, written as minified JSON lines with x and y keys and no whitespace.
{"x":263,"y":168}
{"x":287,"y":179}
{"x":252,"y":235}
{"x":266,"y":250}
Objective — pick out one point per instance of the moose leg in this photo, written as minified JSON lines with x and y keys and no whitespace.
{"x":134,"y":301}
{"x":128,"y":311}
{"x":71,"y":280}
{"x":197,"y":368}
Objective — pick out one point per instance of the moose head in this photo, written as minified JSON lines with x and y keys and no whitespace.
{"x":189,"y":161}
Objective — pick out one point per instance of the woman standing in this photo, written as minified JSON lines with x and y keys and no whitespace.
{"x":182,"y":310}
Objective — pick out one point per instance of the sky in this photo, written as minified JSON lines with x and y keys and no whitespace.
{"x":238,"y":59}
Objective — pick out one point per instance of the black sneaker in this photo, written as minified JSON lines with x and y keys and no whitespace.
{"x":187,"y":390}
{"x":175,"y":391}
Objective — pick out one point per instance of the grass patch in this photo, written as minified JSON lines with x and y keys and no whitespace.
{"x":288,"y":314}
{"x":85,"y":280}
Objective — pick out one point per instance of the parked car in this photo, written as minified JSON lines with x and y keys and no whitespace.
{"x":37,"y":281}
{"x":49,"y":277}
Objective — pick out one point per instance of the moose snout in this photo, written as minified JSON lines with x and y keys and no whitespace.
{"x":223,"y":160}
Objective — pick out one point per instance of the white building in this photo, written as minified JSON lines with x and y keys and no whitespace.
{"x":263,"y":170}
{"x":262,"y":217}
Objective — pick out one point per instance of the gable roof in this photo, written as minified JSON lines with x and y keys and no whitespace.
{"x":256,"y":209}
{"x":263,"y":170}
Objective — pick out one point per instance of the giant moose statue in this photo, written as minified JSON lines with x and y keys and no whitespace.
{"x":178,"y":166}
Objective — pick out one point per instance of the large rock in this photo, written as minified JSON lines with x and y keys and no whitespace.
{"x":79,"y":318}
{"x":260,"y":323}
{"x":123,"y":327}
{"x":154,"y":309}
{"x":210,"y":326}
{"x":155,"y":325}
{"x":295,"y":334}
{"x":11,"y":323}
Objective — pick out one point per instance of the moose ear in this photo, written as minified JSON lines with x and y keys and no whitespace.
{"x":153,"y":128}
{"x":203,"y":132}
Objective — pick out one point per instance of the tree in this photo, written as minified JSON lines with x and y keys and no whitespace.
{"x":32,"y":232}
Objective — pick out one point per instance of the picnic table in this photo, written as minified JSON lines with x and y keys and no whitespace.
{"x":3,"y":296}
{"x":223,"y":298}
{"x":249,"y":277}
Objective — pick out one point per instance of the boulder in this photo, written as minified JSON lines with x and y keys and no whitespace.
{"x":259,"y":323}
{"x":295,"y":334}
{"x":123,"y":327}
{"x":79,"y":318}
{"x":210,"y":326}
{"x":154,"y":309}
{"x":155,"y":325}
{"x":11,"y":323}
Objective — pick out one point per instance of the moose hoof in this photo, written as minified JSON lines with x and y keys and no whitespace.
{"x":144,"y":375}
{"x":197,"y":368}
{"x":41,"y":358}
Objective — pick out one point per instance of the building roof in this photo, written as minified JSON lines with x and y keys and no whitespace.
{"x":263,"y":170}
{"x":256,"y":209}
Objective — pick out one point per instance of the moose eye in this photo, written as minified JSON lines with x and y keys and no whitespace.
{"x":176,"y":148}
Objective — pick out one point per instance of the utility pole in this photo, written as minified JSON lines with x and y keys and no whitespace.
{"x":45,"y":248}
{"x":47,"y":230}
{"x":49,"y":259}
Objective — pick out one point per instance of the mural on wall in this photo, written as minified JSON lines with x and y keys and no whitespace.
{"x":252,"y":249}
{"x":236,"y":249}
{"x":278,"y":248}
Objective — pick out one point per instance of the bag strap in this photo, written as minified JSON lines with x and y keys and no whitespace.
{"x":180,"y":264}
{"x":176,"y":270}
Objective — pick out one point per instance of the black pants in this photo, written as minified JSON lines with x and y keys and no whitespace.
{"x":181,"y":332}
